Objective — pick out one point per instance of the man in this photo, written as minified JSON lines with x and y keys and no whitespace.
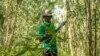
{"x":47,"y":33}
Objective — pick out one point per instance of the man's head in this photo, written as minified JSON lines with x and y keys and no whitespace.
{"x":47,"y":16}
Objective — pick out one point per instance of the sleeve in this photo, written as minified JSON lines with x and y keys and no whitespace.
{"x":41,"y":31}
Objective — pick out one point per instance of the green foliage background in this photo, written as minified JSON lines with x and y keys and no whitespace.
{"x":23,"y":18}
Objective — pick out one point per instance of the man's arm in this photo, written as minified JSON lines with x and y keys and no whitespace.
{"x":43,"y":33}
{"x":46,"y":35}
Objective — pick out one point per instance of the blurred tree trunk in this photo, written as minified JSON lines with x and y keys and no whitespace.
{"x":9,"y":20}
{"x":95,"y":47}
{"x":89,"y":27}
{"x":70,"y":40}
{"x":69,"y":28}
{"x":79,"y":44}
{"x":95,"y":28}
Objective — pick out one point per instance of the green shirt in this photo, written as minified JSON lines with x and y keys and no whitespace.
{"x":50,"y":42}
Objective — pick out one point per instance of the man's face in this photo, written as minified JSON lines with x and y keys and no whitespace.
{"x":47,"y":19}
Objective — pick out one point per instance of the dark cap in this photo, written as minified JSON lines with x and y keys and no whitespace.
{"x":47,"y":13}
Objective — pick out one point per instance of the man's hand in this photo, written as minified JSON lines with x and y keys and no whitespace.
{"x":45,"y":36}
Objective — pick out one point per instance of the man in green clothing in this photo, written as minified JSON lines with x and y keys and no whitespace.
{"x":47,"y":34}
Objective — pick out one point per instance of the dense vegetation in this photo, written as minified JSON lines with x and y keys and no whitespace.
{"x":19,"y":21}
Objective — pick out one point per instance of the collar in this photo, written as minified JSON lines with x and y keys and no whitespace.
{"x":46,"y":23}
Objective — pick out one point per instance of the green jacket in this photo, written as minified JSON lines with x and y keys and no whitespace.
{"x":50,"y":42}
